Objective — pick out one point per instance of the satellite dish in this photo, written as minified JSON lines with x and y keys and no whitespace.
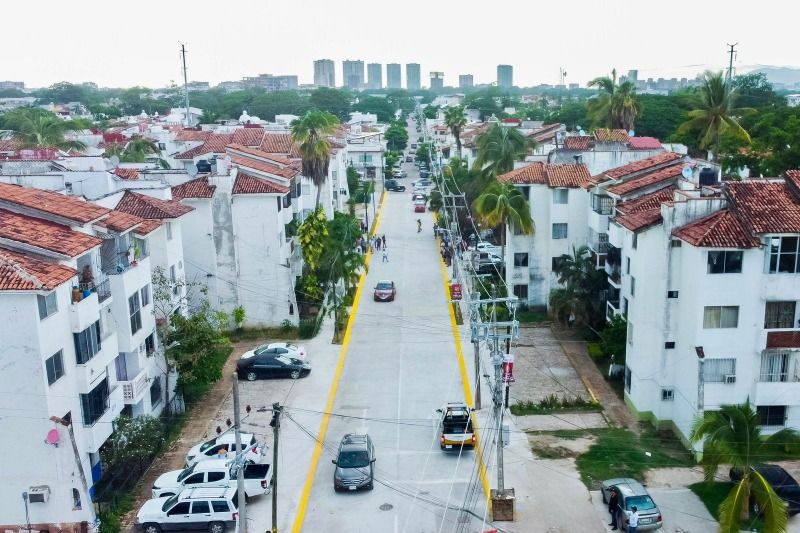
{"x":686,"y":172}
{"x":631,"y":133}
{"x":53,"y":437}
{"x":581,"y":132}
{"x":192,"y":170}
{"x":114,"y":161}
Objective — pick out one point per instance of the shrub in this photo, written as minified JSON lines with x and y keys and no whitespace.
{"x":596,"y":352}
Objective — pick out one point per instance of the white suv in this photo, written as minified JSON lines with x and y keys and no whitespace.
{"x":226,"y":444}
{"x":210,"y":509}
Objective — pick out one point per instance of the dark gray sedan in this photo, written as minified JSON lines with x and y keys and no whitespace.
{"x":633,"y":494}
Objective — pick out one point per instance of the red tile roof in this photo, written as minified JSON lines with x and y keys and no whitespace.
{"x":578,"y":142}
{"x":215,"y":143}
{"x":45,"y":235}
{"x":51,"y":203}
{"x":196,"y":188}
{"x":552,"y":175}
{"x":279,"y":143}
{"x":661,"y":177}
{"x":192,"y":135}
{"x":22,"y":272}
{"x":193,"y":152}
{"x":127,"y":173}
{"x":247,"y":184}
{"x":792,"y":178}
{"x":765,"y":206}
{"x":717,"y":230}
{"x":145,"y":206}
{"x":546,"y":132}
{"x":644,"y":143}
{"x":644,"y":211}
{"x":248,"y":136}
{"x":783,"y":339}
{"x":262,"y":166}
{"x":147,"y":226}
{"x":604,"y":135}
{"x":272,"y":157}
{"x":9,"y":145}
{"x":657,"y":160}
{"x":119,"y":221}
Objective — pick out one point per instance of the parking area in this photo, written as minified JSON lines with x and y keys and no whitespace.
{"x":682,"y":510}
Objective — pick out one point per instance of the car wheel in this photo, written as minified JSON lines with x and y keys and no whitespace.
{"x":151,"y":528}
{"x":371,"y":485}
{"x":295,"y":374}
{"x":216,"y":527}
{"x":251,"y":376}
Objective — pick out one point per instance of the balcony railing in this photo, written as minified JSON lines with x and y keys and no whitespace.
{"x":780,"y":367}
{"x":132,"y":391}
{"x":600,"y":247}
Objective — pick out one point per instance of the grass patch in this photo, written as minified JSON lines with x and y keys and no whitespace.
{"x":714,"y":493}
{"x":543,"y":451}
{"x":531,"y":316}
{"x":552,"y":404}
{"x":252,"y":334}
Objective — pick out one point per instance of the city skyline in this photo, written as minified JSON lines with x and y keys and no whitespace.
{"x":154,"y":62}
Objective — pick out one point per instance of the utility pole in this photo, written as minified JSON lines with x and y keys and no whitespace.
{"x":276,"y":426}
{"x":185,"y":86}
{"x":240,"y":459}
{"x":473,"y":319}
{"x":497,"y":360}
{"x":701,"y":379}
{"x":76,"y":453}
{"x":731,"y":52}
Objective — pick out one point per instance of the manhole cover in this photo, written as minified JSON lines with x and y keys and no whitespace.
{"x":386,"y":507}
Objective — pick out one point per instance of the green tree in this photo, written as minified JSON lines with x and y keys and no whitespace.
{"x":36,"y":128}
{"x":616,"y":105}
{"x":424,"y":153}
{"x":430,"y":111}
{"x":455,"y":119}
{"x":381,"y":107}
{"x":661,"y":115}
{"x":755,"y":90}
{"x":312,"y":234}
{"x":334,"y":101}
{"x":614,"y":338}
{"x":498,"y":148}
{"x":396,"y":136}
{"x":732,"y":436}
{"x":311,"y":133}
{"x":714,"y":113}
{"x":571,"y":114}
{"x":138,"y":149}
{"x":502,"y":204}
{"x":195,"y":342}
{"x":485,"y":101}
{"x":583,"y":281}
{"x":133,"y":439}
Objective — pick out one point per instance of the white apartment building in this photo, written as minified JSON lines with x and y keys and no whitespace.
{"x":79,"y":344}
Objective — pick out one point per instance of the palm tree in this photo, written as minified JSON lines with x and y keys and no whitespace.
{"x":732,"y":436}
{"x":616,"y":105}
{"x":41,"y":129}
{"x":311,"y":135}
{"x":501,"y":204}
{"x":138,"y":149}
{"x":498,"y":148}
{"x":455,"y":119}
{"x":582,"y":282}
{"x":715,"y":113}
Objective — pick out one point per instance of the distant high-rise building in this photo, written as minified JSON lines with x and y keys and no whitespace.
{"x":268,"y":82}
{"x":18,"y":85}
{"x":465,"y":81}
{"x":413,"y":77}
{"x":505,"y":76}
{"x":633,"y":76}
{"x":393,"y":76}
{"x":353,"y":74}
{"x":324,"y":73}
{"x":374,"y":76}
{"x":437,"y":80}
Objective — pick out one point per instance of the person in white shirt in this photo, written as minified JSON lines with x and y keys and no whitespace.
{"x":633,"y":520}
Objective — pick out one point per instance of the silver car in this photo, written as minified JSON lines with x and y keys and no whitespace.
{"x":354,"y":462}
{"x":633,"y":494}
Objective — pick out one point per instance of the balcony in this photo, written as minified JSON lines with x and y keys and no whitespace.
{"x":134,"y":390}
{"x":615,"y":234}
{"x":97,"y":433}
{"x":612,"y":309}
{"x":614,"y":274}
{"x":85,"y":312}
{"x":598,"y":221}
{"x":88,"y":373}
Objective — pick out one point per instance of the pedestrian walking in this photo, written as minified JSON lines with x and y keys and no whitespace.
{"x":383,"y":239}
{"x":378,"y":243}
{"x":613,"y":507}
{"x":385,"y":258}
{"x":633,"y":520}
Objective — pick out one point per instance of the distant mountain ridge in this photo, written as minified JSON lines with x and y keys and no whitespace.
{"x":785,"y":76}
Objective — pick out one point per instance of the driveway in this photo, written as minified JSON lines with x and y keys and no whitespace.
{"x":682,"y":510}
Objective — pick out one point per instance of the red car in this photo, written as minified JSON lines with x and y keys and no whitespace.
{"x":385,"y":291}
{"x":419,"y":206}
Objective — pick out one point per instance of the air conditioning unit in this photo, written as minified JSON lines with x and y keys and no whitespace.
{"x":729,"y":378}
{"x":40,"y":494}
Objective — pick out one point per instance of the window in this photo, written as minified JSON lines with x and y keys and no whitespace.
{"x":145,"y":292}
{"x":627,"y":379}
{"x":624,"y":307}
{"x":720,"y":316}
{"x":775,"y":367}
{"x":719,"y":370}
{"x":279,"y":203}
{"x":784,"y":256}
{"x":633,"y":286}
{"x":286,"y":200}
{"x":76,"y":500}
{"x":48,"y":304}
{"x":779,"y":315}
{"x":630,"y":332}
{"x":556,"y":263}
{"x":602,"y":205}
{"x":669,"y":345}
{"x":155,"y":392}
{"x":627,"y":265}
{"x":141,"y":247}
{"x":724,"y":262}
{"x":560,"y":230}
{"x":200,"y":507}
{"x":667,"y":395}
{"x":173,"y":278}
{"x":672,"y":294}
{"x":676,"y":243}
{"x":94,"y":404}
{"x":521,"y":259}
{"x":135,"y":310}
{"x":220,"y":506}
{"x":150,"y":345}
{"x":168,"y":225}
{"x":560,"y":196}
{"x":521,"y":292}
{"x":216,"y":476}
{"x":634,"y":240}
{"x":55,"y":367}
{"x":181,"y":508}
{"x":771,"y":415}
{"x":87,"y":343}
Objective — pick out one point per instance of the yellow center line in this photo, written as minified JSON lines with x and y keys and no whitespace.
{"x":323,"y":428}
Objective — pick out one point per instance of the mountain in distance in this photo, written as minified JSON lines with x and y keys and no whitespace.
{"x":786,"y":77}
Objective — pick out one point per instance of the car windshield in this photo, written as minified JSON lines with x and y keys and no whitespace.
{"x":186,"y":472}
{"x":208,"y":445}
{"x":353,"y":459}
{"x":383,"y":286}
{"x":642,"y":503}
{"x":169,"y":503}
{"x":261,"y":349}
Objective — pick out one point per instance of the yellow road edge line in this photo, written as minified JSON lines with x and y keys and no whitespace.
{"x":588,"y":388}
{"x":323,"y":427}
{"x":465,"y":378}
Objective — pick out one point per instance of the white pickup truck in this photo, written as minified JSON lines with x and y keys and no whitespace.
{"x":214,"y":473}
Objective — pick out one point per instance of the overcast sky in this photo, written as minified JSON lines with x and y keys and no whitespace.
{"x":136,"y":43}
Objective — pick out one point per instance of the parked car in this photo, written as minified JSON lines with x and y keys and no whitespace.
{"x":784,"y":485}
{"x":486,"y":263}
{"x":422,"y":182}
{"x":354,"y":462}
{"x":456,"y":426}
{"x":270,"y":365}
{"x":633,"y":494}
{"x":399,"y":173}
{"x":254,"y":450}
{"x":484,"y":246}
{"x":214,"y":473}
{"x":424,"y":174}
{"x":409,"y":159}
{"x":209,"y":509}
{"x":385,"y":291}
{"x":419,"y":206}
{"x":392,"y":185}
{"x":417,"y":196}
{"x":413,"y":146}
